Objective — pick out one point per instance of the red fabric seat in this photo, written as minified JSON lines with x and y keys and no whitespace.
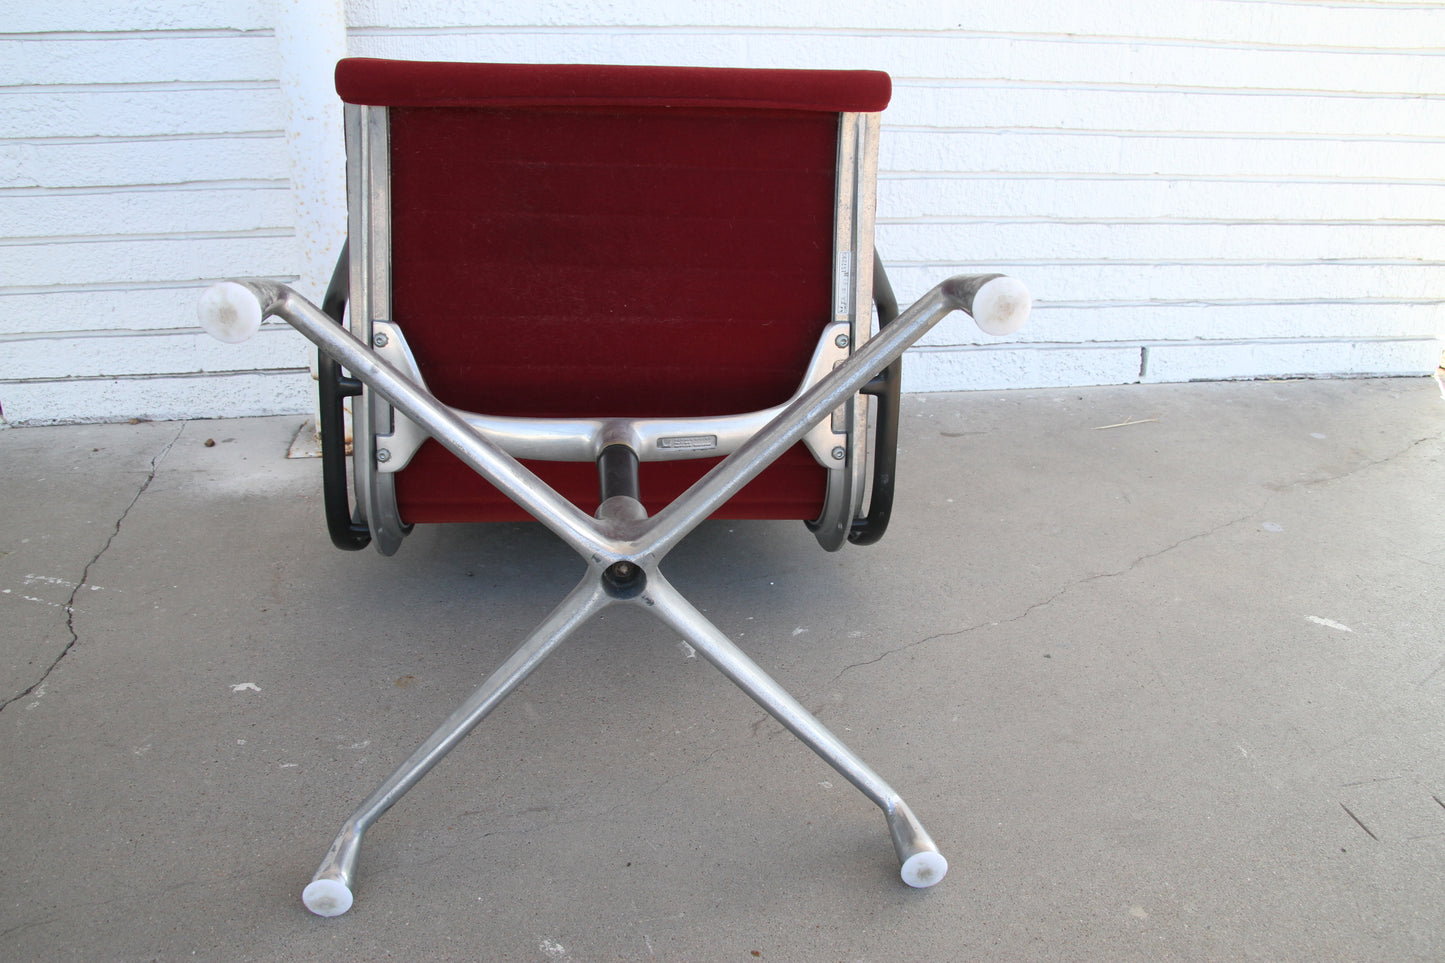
{"x":610,"y":241}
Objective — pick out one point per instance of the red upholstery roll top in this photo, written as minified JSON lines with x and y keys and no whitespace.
{"x":395,"y":83}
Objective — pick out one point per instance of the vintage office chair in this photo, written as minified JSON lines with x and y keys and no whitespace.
{"x":577,"y":291}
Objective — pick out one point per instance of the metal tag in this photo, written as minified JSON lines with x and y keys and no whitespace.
{"x":688,"y":442}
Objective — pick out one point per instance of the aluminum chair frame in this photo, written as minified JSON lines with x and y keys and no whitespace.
{"x":623,"y":546}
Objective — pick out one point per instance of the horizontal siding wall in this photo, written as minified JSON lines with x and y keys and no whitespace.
{"x":142,"y":156}
{"x":1205,"y":189}
{"x":1198,"y":189}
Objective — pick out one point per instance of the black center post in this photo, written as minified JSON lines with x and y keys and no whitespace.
{"x":617,"y":477}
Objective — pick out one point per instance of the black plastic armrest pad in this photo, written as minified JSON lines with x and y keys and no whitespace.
{"x":885,"y":388}
{"x":346,"y":533}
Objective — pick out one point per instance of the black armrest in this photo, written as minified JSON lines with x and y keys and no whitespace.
{"x":334,"y":387}
{"x":885,"y":389}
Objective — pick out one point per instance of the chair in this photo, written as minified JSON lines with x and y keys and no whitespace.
{"x":573,"y":291}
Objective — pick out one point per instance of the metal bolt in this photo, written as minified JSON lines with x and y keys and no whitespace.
{"x":841,"y":341}
{"x":380,"y":340}
{"x":838,"y":453}
{"x":383,"y":455}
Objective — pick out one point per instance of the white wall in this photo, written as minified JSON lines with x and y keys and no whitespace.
{"x":1191,"y":188}
{"x":141,"y":153}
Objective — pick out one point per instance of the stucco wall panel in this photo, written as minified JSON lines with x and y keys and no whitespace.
{"x":122,"y":260}
{"x":250,"y":160}
{"x":157,"y":397}
{"x":1198,"y":189}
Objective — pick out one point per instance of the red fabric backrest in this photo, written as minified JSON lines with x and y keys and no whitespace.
{"x":610,"y":241}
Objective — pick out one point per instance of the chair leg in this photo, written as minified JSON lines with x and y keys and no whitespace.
{"x":624,"y":551}
{"x":922,"y":864}
{"x":330,"y":891}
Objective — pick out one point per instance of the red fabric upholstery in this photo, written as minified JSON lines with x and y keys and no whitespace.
{"x":595,"y":260}
{"x":397,"y":83}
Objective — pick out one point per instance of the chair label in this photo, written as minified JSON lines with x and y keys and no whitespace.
{"x":688,"y":442}
{"x":843,"y":287}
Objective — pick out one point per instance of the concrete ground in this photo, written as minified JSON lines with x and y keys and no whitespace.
{"x":1172,"y":690}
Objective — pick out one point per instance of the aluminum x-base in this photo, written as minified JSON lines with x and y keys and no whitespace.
{"x":622,"y":545}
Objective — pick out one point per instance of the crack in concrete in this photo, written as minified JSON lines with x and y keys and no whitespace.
{"x":85,"y":573}
{"x":1327,"y":479}
{"x":1142,"y":558}
{"x":1052,"y":598}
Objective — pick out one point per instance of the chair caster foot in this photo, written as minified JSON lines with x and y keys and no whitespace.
{"x":327,"y":897}
{"x":230,"y":312}
{"x":922,"y":864}
{"x":922,"y":870}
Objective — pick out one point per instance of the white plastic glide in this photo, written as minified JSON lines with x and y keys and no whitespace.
{"x":921,"y":864}
{"x":326,"y":897}
{"x":1002,"y":306}
{"x":925,"y":869}
{"x":229,"y":312}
